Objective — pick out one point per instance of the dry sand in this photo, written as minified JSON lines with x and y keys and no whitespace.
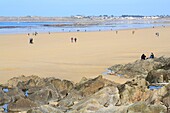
{"x":54,"y":55}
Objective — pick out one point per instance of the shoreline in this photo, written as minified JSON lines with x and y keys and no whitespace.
{"x":111,"y":30}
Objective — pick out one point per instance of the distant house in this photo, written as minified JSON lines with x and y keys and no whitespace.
{"x":79,"y":16}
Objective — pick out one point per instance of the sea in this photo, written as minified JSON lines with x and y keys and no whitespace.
{"x":31,"y":27}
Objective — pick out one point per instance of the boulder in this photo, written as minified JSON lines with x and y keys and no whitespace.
{"x":142,"y":107}
{"x":4,"y":98}
{"x":93,"y":85}
{"x":166,"y":102}
{"x":62,"y":86}
{"x":15,"y":92}
{"x":156,"y":96}
{"x":113,"y":109}
{"x":44,"y":95}
{"x":44,"y":109}
{"x":24,"y":79}
{"x":133,"y":91}
{"x":166,"y":98}
{"x":1,"y":110}
{"x":104,"y":98}
{"x":165,"y":63}
{"x":21,"y":104}
{"x":158,"y":76}
{"x":91,"y":105}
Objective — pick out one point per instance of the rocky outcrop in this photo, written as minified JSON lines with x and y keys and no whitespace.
{"x":141,"y":67}
{"x":97,"y":95}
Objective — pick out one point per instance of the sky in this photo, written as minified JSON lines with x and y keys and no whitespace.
{"x":84,"y":7}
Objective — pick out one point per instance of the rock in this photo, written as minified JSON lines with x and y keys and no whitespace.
{"x":164,"y":61}
{"x":53,"y":103}
{"x":158,"y":76}
{"x":156,"y":96}
{"x":88,"y":106}
{"x":166,"y":98}
{"x":14,"y":81}
{"x":44,"y":109}
{"x":4,"y":98}
{"x":15,"y":92}
{"x":71,"y":99}
{"x":1,"y":110}
{"x":22,"y":104}
{"x":142,"y":107}
{"x":133,"y":91}
{"x":62,"y":86}
{"x":116,"y":68}
{"x":93,"y":85}
{"x":44,"y":95}
{"x":106,"y":97}
{"x":113,"y":109}
{"x":166,"y":102}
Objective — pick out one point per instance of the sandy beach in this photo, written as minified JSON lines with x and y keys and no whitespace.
{"x":53,"y":55}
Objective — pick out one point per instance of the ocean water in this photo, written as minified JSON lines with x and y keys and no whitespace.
{"x":30,"y":27}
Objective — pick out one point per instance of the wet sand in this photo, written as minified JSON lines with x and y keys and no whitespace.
{"x":53,"y":55}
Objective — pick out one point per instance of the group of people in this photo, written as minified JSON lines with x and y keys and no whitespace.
{"x":31,"y":39}
{"x":73,"y":39}
{"x":143,"y":57}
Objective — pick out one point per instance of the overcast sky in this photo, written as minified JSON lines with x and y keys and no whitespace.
{"x":83,"y":7}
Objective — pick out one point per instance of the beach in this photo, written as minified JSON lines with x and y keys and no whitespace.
{"x":53,"y":55}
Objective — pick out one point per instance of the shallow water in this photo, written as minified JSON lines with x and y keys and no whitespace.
{"x":154,"y":87}
{"x":26,"y":93}
{"x":5,"y":90}
{"x":30,"y":27}
{"x":5,"y":107}
{"x":107,"y":72}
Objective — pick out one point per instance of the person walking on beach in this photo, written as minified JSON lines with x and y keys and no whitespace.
{"x":31,"y":41}
{"x":133,"y":32}
{"x":143,"y":57}
{"x":157,"y":34}
{"x":72,"y":39}
{"x":75,"y":40}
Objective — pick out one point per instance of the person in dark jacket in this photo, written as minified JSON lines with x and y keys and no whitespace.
{"x":143,"y":57}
